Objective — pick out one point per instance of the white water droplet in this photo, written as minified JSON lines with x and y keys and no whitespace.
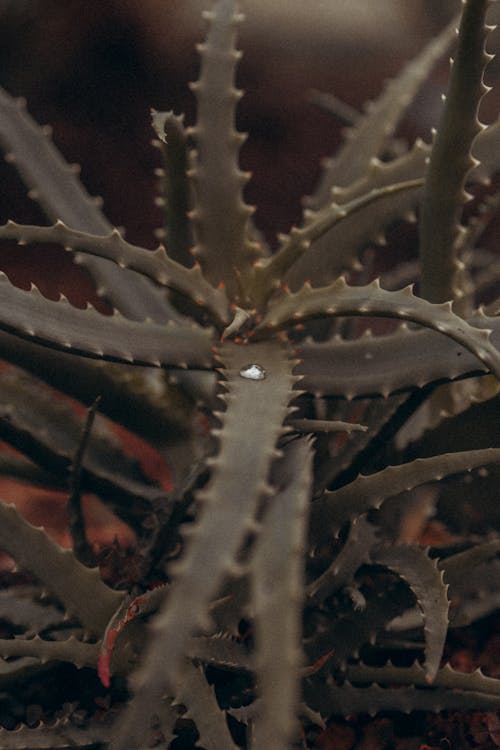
{"x":253,"y":372}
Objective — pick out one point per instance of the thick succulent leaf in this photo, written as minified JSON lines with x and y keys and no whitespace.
{"x":485,"y":150}
{"x":372,"y":699}
{"x":239,"y":483}
{"x":381,"y":365}
{"x":62,"y":734}
{"x":156,"y":265}
{"x":87,"y":332}
{"x":342,"y":461}
{"x":277,"y":582}
{"x":451,"y":160}
{"x":446,"y":677}
{"x":24,"y":470}
{"x":339,"y":299}
{"x":267,"y":276}
{"x":450,"y":690}
{"x":367,"y":138}
{"x":55,"y":184}
{"x":341,"y":638}
{"x":338,"y":108}
{"x":456,"y":567}
{"x":71,"y":650}
{"x":61,"y":195}
{"x":158,"y":415}
{"x":333,"y":509}
{"x":422,"y":574}
{"x":473,"y":579}
{"x":248,"y":713}
{"x":325,"y":425}
{"x":199,"y":698}
{"x":220,"y":217}
{"x":356,"y":551}
{"x":49,"y":431}
{"x":79,"y":589}
{"x":175,"y":199}
{"x":473,"y":609}
{"x":221,"y":651}
{"x":340,"y":248}
{"x":20,"y":669}
{"x":445,"y":402}
{"x":22,"y":606}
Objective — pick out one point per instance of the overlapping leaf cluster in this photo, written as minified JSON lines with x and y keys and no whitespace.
{"x":290,"y":547}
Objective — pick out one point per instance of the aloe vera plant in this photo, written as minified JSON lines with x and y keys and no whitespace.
{"x":287,"y":426}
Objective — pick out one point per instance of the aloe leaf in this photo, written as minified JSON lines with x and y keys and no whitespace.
{"x":87,"y":332}
{"x":79,"y":589}
{"x":49,"y":431}
{"x":156,"y":265}
{"x":24,"y":470}
{"x":338,"y":108}
{"x":485,"y":148}
{"x":451,"y":159}
{"x":333,"y":509}
{"x":372,"y":699}
{"x":227,"y":509}
{"x":341,"y":248}
{"x":62,"y":734}
{"x":426,"y":581}
{"x":29,"y":148}
{"x":199,"y":698}
{"x":333,"y":368}
{"x":367,"y":138}
{"x":249,"y":712}
{"x":457,"y":566}
{"x":326,"y":425}
{"x":382,"y":418}
{"x":472,"y":599}
{"x":356,"y":551}
{"x":221,"y":651}
{"x":446,"y":677}
{"x":176,"y":201}
{"x":339,"y":299}
{"x":295,"y":247}
{"x":220,"y":217}
{"x":344,"y":635}
{"x":71,"y":650}
{"x":277,"y":583}
{"x":62,"y":197}
{"x":157,"y":417}
{"x":22,"y":606}
{"x":479,"y":597}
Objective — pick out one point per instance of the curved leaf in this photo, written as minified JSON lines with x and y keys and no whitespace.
{"x":277,"y":583}
{"x":339,"y":299}
{"x":62,"y":734}
{"x":368,"y":366}
{"x":78,"y":588}
{"x":155,"y":264}
{"x":55,"y":185}
{"x":239,"y":483}
{"x":367,"y":138}
{"x":295,"y":247}
{"x":199,"y":698}
{"x":333,"y":509}
{"x":356,"y":551}
{"x":422,"y":574}
{"x":87,"y":332}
